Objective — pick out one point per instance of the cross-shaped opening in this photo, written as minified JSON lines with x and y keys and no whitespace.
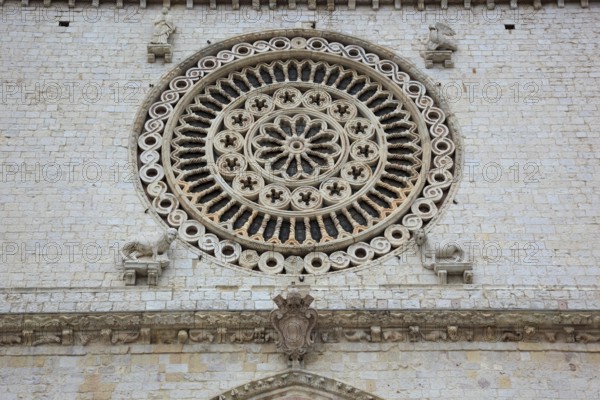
{"x":275,"y":195}
{"x":342,"y":109}
{"x":229,"y":141}
{"x":238,"y":119}
{"x":248,"y":183}
{"x":288,"y":97}
{"x":365,"y":150}
{"x":232,"y":163}
{"x":356,"y":172}
{"x":306,"y":198}
{"x":335,"y":189}
{"x":260,"y":104}
{"x":360,"y":128}
{"x":317,"y":99}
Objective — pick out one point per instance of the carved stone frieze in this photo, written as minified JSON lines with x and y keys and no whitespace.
{"x":333,"y":326}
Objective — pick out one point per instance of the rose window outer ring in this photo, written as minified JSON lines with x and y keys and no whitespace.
{"x":439,"y":149}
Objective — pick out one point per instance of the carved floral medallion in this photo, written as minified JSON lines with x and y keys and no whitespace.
{"x":296,"y":154}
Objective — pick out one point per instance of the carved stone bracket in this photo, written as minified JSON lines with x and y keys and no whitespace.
{"x":160,"y":50}
{"x":151,"y":269}
{"x":294,"y":321}
{"x":291,"y":326}
{"x":439,"y":57}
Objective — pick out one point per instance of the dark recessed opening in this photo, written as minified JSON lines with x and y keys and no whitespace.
{"x":63,"y":23}
{"x":509,"y":27}
{"x":165,"y":203}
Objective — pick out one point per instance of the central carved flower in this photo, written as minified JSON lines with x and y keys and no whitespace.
{"x":298,"y":147}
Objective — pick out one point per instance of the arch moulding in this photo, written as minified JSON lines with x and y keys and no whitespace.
{"x":295,"y":385}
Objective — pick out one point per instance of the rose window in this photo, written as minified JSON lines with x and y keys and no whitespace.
{"x":295,"y":155}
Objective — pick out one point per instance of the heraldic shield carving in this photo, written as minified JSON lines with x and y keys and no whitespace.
{"x":294,"y":321}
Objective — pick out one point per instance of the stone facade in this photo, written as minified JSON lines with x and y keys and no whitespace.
{"x":523,"y":91}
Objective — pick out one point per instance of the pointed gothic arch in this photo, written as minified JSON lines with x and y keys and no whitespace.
{"x":296,"y":385}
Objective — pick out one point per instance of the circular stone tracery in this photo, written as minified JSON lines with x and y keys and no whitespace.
{"x":296,"y":146}
{"x":296,"y":161}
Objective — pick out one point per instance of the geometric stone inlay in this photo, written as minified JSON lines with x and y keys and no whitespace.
{"x":296,"y":155}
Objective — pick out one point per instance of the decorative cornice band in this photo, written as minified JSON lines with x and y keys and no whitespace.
{"x":221,"y":327}
{"x":329,"y":5}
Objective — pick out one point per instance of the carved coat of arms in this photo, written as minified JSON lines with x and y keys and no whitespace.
{"x":294,"y":321}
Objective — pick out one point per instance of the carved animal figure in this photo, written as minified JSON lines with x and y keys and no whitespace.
{"x":439,"y":37}
{"x":149,"y":247}
{"x":357,"y":336}
{"x":587,"y":338}
{"x":125,"y":337}
{"x":393,"y":336}
{"x":9,"y":339}
{"x":449,"y":252}
{"x":512,"y":337}
{"x":201,"y":336}
{"x":435,"y":336}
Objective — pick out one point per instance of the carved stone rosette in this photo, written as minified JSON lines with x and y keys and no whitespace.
{"x":294,"y":321}
{"x":296,"y":152}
